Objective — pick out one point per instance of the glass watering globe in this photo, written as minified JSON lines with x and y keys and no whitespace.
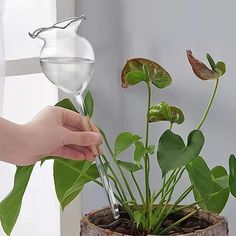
{"x":67,"y":60}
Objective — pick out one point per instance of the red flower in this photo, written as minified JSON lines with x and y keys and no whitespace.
{"x":200,"y":69}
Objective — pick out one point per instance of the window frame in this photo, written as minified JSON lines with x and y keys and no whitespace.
{"x":71,"y":216}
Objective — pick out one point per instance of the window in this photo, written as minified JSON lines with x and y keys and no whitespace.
{"x":26,"y":92}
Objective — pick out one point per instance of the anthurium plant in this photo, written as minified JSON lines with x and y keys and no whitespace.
{"x":175,"y":157}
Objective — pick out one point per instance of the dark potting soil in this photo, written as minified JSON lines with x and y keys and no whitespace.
{"x":126,"y":226}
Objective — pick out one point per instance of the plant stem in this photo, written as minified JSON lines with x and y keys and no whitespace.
{"x":116,"y":186}
{"x":87,"y":177}
{"x":183,"y":196}
{"x":179,"y":221}
{"x":139,"y":190}
{"x":126,"y":182}
{"x":115,"y":177}
{"x":209,"y":104}
{"x":196,"y":203}
{"x":146,"y":158}
{"x":168,"y":182}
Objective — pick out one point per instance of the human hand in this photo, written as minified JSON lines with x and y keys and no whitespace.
{"x":56,"y":131}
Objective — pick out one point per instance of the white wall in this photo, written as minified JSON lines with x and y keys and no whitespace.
{"x":162,"y":30}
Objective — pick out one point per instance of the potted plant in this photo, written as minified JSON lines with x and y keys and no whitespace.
{"x":157,"y":212}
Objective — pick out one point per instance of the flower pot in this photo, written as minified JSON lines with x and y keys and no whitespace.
{"x":218,"y":225}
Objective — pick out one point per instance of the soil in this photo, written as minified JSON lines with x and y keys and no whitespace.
{"x":126,"y":226}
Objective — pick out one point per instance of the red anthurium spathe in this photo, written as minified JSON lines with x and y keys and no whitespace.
{"x":201,"y":70}
{"x":142,"y":69}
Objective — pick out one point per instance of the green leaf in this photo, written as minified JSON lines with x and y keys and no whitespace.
{"x":220,"y":67}
{"x":90,"y":170}
{"x":124,"y":141}
{"x":131,"y":167}
{"x":232,"y":175}
{"x":161,"y":79}
{"x":200,"y":176}
{"x":66,"y":173}
{"x":139,"y":152}
{"x":156,"y":74}
{"x":177,"y":116}
{"x":11,"y":205}
{"x":173,"y":153}
{"x":151,"y":149}
{"x":138,"y":217}
{"x":164,"y":112}
{"x":66,"y":103}
{"x":211,"y":61}
{"x":134,"y":77}
{"x":89,"y":104}
{"x":220,"y":192}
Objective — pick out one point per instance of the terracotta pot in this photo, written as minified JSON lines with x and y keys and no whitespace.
{"x":219,"y":225}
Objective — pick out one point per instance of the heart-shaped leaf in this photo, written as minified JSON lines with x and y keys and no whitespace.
{"x":200,"y":176}
{"x":131,"y":167}
{"x":156,"y":74}
{"x":164,"y":112}
{"x":232,"y":175}
{"x":11,"y":205}
{"x":124,"y":141}
{"x":173,"y":153}
{"x":220,"y":192}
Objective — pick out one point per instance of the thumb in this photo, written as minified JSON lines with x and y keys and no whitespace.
{"x":81,"y":138}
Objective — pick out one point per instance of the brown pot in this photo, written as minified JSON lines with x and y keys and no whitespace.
{"x":219,"y":225}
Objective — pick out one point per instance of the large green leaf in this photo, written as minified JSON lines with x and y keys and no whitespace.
{"x":232,"y":175}
{"x":131,"y":167}
{"x":200,"y":176}
{"x":164,"y":112}
{"x":11,"y":205}
{"x":220,"y":192}
{"x":88,"y":170}
{"x":173,"y":153}
{"x":157,"y":75}
{"x":124,"y":141}
{"x":66,"y":173}
{"x":89,"y":104}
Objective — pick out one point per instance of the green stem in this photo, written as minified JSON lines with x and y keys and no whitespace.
{"x":87,"y":177}
{"x":161,"y":217}
{"x":168,"y":182}
{"x":196,"y":203}
{"x":146,"y":158}
{"x":139,"y":190}
{"x":209,"y":105}
{"x":183,"y":196}
{"x":116,"y":178}
{"x":126,"y":182}
{"x":178,"y":222}
{"x":116,"y":186}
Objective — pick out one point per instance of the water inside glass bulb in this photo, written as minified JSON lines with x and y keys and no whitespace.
{"x":67,"y":73}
